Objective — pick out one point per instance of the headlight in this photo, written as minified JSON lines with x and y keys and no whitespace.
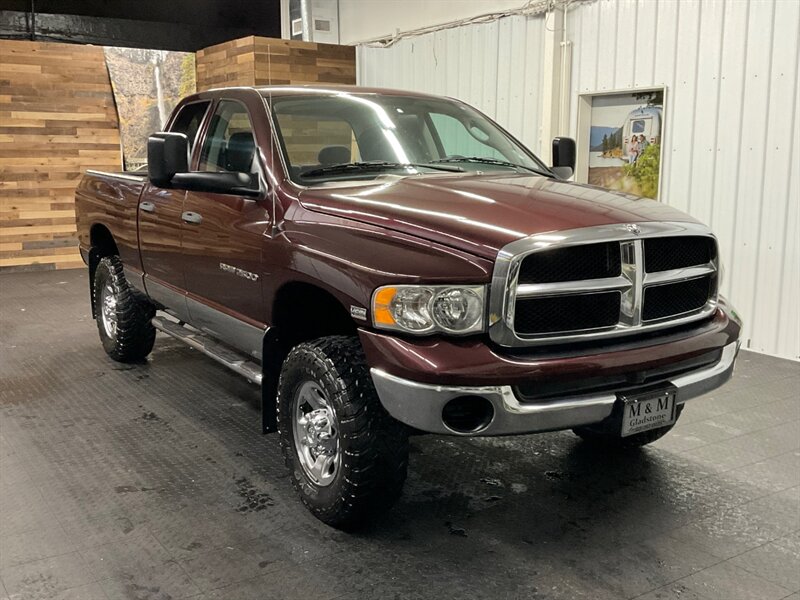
{"x":428,"y":309}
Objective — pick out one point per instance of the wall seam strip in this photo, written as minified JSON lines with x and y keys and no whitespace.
{"x":690,"y":177}
{"x":759,"y":219}
{"x":739,"y":149}
{"x":714,"y":149}
{"x":792,"y":150}
{"x":635,"y":41}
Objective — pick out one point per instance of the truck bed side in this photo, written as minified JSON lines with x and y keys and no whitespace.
{"x":107,"y":203}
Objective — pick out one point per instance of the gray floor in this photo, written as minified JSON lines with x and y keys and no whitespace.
{"x":152,"y":481}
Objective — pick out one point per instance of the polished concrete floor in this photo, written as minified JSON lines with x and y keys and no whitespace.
{"x":153,"y":482}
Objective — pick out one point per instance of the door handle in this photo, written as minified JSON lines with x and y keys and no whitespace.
{"x":147,"y":207}
{"x":192,"y":217}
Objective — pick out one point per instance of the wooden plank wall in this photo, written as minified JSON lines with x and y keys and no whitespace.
{"x":266,"y":61}
{"x":57,"y":118}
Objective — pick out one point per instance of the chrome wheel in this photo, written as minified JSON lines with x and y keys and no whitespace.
{"x":108,"y":310}
{"x":316,"y":434}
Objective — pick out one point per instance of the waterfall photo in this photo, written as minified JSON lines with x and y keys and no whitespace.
{"x":147,"y":85}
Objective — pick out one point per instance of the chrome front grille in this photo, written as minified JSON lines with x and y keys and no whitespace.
{"x":602,"y":282}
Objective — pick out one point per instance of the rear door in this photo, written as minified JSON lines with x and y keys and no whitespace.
{"x":160,"y":223}
{"x":223,"y":235}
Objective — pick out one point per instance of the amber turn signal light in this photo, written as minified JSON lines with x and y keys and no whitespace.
{"x":380,"y":311}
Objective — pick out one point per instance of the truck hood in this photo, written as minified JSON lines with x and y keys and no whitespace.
{"x":481,"y":213}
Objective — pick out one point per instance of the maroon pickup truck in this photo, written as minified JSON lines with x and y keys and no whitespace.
{"x":384,"y":264}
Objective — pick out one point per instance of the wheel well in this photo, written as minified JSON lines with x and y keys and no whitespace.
{"x":301,"y":312}
{"x":102,"y":241}
{"x":102,"y":245}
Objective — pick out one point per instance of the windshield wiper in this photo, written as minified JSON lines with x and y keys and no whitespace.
{"x":490,"y":161}
{"x":375,"y":165}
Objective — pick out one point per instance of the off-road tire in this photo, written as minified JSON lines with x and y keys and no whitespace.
{"x":135,"y":334}
{"x":373,"y":445}
{"x":599,"y":436}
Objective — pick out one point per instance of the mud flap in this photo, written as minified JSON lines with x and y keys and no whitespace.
{"x":270,"y":371}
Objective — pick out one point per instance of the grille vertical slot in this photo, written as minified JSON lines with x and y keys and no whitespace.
{"x":593,"y":261}
{"x":675,"y":299}
{"x":679,"y":252}
{"x":579,"y":312}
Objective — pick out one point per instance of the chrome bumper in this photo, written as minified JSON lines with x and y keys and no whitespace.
{"x":420,"y":405}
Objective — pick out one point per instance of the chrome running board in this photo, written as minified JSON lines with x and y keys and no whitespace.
{"x":221,"y":353}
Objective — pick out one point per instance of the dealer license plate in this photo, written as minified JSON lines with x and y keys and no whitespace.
{"x":647,"y":411}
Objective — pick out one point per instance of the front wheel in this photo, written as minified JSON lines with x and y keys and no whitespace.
{"x":348,"y":458}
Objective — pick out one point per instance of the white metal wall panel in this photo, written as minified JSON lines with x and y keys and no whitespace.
{"x":728,"y":115}
{"x":495,"y":67}
{"x":731,"y":150}
{"x":779,"y":180}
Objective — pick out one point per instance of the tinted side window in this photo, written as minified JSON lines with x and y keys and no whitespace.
{"x":189,"y":119}
{"x":229,"y":144}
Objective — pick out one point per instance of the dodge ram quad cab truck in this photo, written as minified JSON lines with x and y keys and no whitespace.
{"x":385,"y":263}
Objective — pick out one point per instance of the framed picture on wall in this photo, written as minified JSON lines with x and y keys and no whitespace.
{"x":620,"y":140}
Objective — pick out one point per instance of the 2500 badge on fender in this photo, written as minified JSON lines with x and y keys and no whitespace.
{"x":239,"y":272}
{"x":385,"y":264}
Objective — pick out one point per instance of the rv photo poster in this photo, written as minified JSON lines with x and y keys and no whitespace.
{"x":625,"y":142}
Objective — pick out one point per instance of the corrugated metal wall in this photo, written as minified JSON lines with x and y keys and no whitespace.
{"x":495,"y":67}
{"x":732,"y":130}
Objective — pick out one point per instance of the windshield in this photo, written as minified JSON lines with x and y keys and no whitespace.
{"x":374,"y":134}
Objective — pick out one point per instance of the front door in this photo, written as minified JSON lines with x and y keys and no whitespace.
{"x":222,"y":238}
{"x":160,"y":246}
{"x":160,"y":226}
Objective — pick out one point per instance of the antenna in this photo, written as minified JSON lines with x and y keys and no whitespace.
{"x":275,"y":228}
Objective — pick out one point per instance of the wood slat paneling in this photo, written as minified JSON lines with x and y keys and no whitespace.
{"x":267,"y":61}
{"x":57,"y":118}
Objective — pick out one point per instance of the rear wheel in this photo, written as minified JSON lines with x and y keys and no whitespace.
{"x":123,"y":314}
{"x":601,"y":436}
{"x":347,"y":456}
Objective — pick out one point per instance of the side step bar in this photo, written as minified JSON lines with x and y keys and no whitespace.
{"x":210,"y":347}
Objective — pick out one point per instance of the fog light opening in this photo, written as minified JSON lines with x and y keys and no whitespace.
{"x":468,"y":414}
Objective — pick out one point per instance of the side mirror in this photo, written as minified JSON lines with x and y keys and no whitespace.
{"x":167,"y":154}
{"x":563,"y":157}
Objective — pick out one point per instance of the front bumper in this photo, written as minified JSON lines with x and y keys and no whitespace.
{"x":420,"y":405}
